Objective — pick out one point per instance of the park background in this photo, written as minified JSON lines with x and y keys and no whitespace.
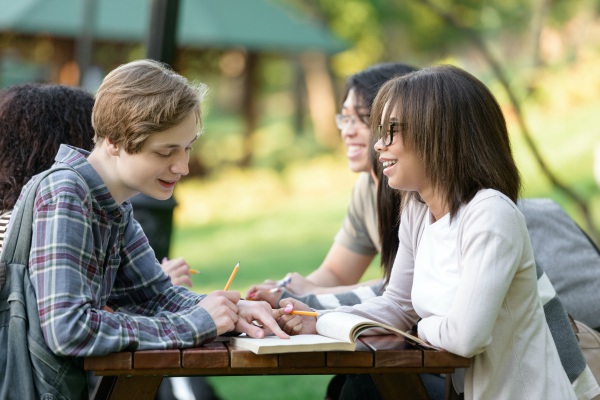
{"x":269,"y":182}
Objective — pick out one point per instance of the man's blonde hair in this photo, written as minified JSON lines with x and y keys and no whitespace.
{"x":140,"y":98}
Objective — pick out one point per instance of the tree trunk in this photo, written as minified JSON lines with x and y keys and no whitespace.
{"x":321,"y":98}
{"x":249,"y":100}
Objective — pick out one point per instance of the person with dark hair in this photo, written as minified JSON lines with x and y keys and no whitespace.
{"x":335,"y":281}
{"x":464,"y":272}
{"x":35,"y":119}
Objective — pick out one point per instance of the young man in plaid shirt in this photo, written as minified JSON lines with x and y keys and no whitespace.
{"x":87,"y":250}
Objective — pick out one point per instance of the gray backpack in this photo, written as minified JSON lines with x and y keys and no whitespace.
{"x":567,"y":255}
{"x":28,"y":368}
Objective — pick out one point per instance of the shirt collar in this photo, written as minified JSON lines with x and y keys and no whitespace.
{"x":76,"y":158}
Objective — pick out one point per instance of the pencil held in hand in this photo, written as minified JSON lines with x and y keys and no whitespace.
{"x":307,"y":313}
{"x":235,"y":270}
{"x":298,"y":312}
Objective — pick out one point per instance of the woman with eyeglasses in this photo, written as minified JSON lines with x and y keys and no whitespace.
{"x":335,"y":281}
{"x":464,"y":272}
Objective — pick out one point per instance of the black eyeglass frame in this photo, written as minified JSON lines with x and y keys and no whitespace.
{"x":389,"y":133}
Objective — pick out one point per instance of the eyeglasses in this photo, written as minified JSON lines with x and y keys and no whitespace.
{"x":343,"y":121}
{"x":386,"y":135}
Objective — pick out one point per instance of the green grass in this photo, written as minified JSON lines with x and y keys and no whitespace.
{"x":266,"y":247}
{"x":301,"y":387}
{"x":280,"y":225}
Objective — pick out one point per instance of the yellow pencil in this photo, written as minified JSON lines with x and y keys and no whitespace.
{"x":235,"y":270}
{"x":308,"y":313}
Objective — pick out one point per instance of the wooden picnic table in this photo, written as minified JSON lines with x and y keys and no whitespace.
{"x":393,"y":364}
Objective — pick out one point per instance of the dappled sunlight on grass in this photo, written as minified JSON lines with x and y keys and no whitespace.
{"x":263,"y":138}
{"x":235,"y":195}
{"x":230,"y":195}
{"x":326,"y":177}
{"x":273,"y":223}
{"x":566,"y":89}
{"x":268,"y":244}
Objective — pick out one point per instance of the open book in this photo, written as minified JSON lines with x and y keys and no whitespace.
{"x":336,"y":331}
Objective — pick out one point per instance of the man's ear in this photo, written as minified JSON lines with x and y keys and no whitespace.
{"x":113,"y":149}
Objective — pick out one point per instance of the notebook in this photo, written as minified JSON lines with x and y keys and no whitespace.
{"x":336,"y":331}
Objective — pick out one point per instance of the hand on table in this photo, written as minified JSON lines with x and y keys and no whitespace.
{"x":263,"y":314}
{"x":222,"y":307}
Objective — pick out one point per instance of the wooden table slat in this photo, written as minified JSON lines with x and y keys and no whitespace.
{"x":242,"y":358}
{"x":391,"y":351}
{"x":302,"y":360}
{"x":114,"y":361}
{"x":361,"y":357}
{"x":210,"y":355}
{"x":393,"y":364}
{"x":155,"y":359}
{"x":438,"y":358}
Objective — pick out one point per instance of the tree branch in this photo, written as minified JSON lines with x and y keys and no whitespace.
{"x":501,"y":76}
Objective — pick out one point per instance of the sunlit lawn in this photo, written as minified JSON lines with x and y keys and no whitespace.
{"x":271,"y":225}
{"x":274,"y":223}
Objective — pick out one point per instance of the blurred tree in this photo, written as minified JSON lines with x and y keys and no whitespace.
{"x":476,"y":37}
{"x":356,"y":21}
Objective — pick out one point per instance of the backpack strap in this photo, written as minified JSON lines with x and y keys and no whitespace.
{"x":17,"y":242}
{"x":26,"y":359}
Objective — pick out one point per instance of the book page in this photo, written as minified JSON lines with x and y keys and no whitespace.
{"x":347,"y":327}
{"x":298,"y":343}
{"x":339,"y":325}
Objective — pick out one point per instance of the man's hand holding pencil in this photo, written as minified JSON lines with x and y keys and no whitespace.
{"x":256,"y":318}
{"x":243,"y":313}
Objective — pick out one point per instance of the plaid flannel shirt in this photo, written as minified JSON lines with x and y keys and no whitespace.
{"x":87,"y":252}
